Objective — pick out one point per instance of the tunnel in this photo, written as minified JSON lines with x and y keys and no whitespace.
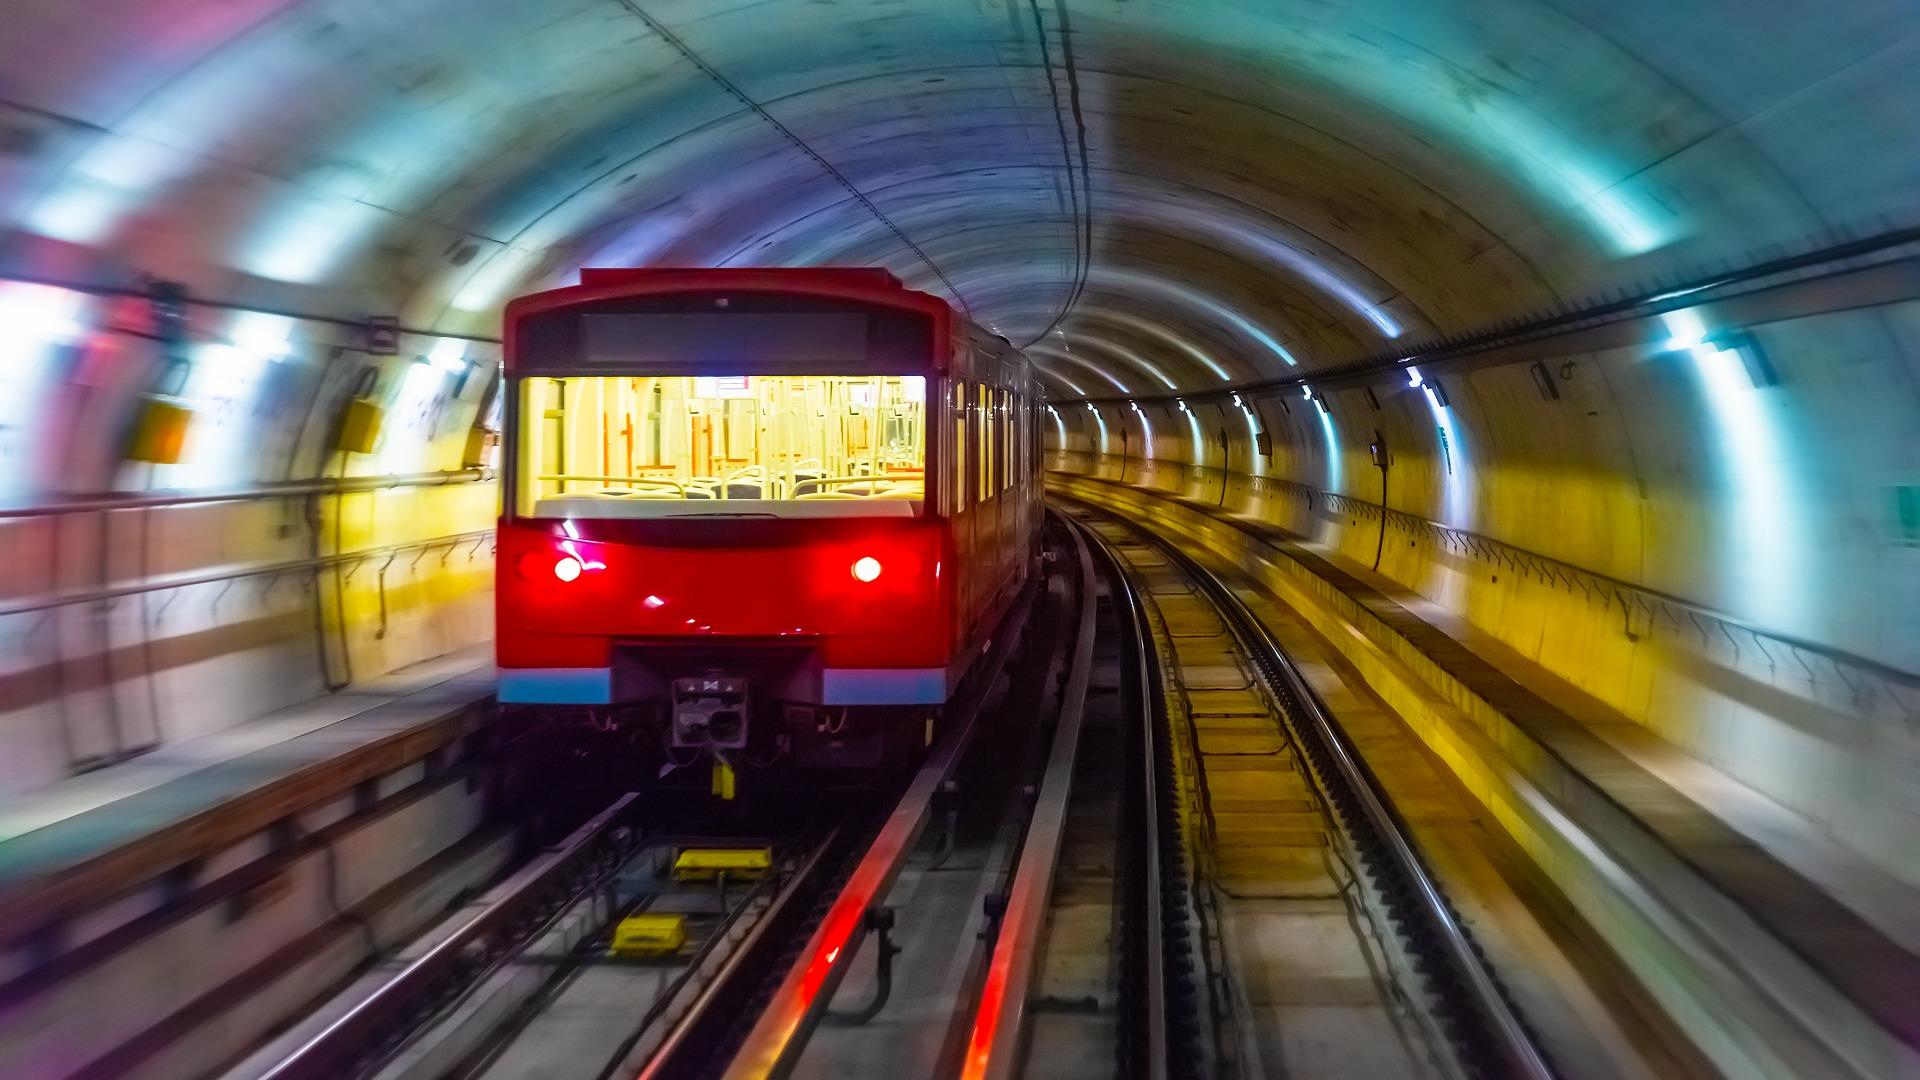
{"x":1561,"y":358}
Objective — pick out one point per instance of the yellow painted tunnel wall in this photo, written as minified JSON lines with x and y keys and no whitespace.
{"x":1609,"y":535}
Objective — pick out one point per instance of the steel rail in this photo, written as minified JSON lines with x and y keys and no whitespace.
{"x":334,"y":1052}
{"x":1150,"y":926}
{"x":680,"y":1035}
{"x":999,"y":1023}
{"x":1170,"y":919}
{"x":1511,"y":1042}
{"x":781,"y":1031}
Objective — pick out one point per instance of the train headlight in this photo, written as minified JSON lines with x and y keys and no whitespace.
{"x":567,"y":568}
{"x":866,"y":568}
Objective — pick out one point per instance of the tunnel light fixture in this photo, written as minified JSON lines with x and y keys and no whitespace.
{"x":45,"y":314}
{"x":1543,"y":381}
{"x":263,"y":334}
{"x":1760,"y":370}
{"x":1685,"y":330}
{"x":1688,"y":333}
{"x":1146,"y":428}
{"x":448,"y":355}
{"x":1413,"y":376}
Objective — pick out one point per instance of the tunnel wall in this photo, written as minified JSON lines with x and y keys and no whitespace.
{"x":1735,"y":567}
{"x":145,"y":603}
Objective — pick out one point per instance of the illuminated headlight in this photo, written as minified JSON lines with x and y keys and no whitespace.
{"x":866,"y":568}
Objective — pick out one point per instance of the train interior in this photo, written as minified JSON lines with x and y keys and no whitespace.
{"x":619,"y":446}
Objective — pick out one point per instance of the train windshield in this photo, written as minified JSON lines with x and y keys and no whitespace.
{"x":618,"y":446}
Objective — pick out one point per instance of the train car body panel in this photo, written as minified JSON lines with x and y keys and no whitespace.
{"x":768,"y":500}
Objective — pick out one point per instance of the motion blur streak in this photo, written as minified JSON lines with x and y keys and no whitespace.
{"x":1766,"y":567}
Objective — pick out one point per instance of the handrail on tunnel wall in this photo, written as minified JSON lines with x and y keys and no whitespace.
{"x":130,"y":292}
{"x":106,"y":502}
{"x":1901,"y":687}
{"x":355,"y":557}
{"x":94,"y":502}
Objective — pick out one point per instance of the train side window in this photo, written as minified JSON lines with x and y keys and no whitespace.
{"x":990,"y":443}
{"x":1020,"y":439}
{"x":983,"y":441}
{"x":1025,"y":423}
{"x":1007,"y":441}
{"x":957,"y":467}
{"x":1035,"y":444}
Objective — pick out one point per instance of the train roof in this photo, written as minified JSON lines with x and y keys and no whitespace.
{"x":860,"y":284}
{"x":799,"y":278}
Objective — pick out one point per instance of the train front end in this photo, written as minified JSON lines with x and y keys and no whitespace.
{"x":717,"y":535}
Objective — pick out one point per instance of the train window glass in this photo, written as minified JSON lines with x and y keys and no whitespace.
{"x":983,"y":412}
{"x":622,"y":446}
{"x":957,"y":468}
{"x":1028,"y":423}
{"x":1007,"y":464}
{"x":1035,"y":447}
{"x":1020,"y":439}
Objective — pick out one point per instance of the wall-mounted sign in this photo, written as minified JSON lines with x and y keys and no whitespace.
{"x":383,"y":335}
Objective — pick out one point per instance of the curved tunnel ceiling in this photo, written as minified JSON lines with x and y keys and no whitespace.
{"x":1168,"y":194}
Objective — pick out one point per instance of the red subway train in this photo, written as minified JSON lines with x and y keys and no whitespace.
{"x":770,"y":517}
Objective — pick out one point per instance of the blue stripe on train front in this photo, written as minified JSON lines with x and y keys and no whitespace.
{"x":555,"y":686}
{"x":883,"y":686}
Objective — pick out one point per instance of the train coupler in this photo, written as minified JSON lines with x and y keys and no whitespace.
{"x":710,"y":711}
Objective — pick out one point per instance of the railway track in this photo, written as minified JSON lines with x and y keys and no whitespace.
{"x":1170,"y":864}
{"x":1300,"y":931}
{"x":524,"y":985}
{"x":961,"y":963}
